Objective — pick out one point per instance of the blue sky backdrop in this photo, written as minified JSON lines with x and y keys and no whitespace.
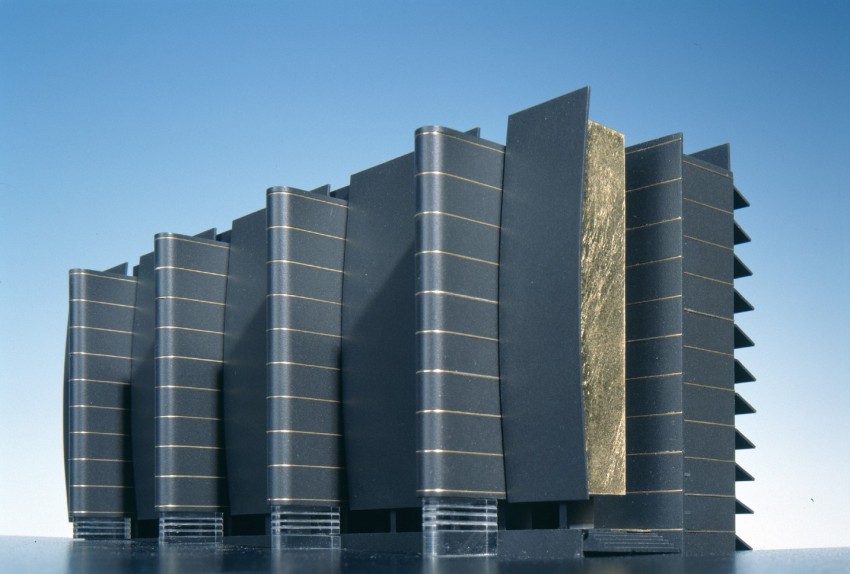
{"x":119,"y":120}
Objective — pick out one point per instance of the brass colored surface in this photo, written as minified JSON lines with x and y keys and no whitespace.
{"x":603,"y":309}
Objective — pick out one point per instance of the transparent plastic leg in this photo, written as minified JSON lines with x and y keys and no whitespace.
{"x":458,"y":527}
{"x":101,"y":528}
{"x":305,"y":527}
{"x":188,"y":527}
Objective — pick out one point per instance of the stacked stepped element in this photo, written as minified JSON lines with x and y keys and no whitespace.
{"x":191,"y":283}
{"x":97,"y":395}
{"x":461,"y":460}
{"x":306,"y":244}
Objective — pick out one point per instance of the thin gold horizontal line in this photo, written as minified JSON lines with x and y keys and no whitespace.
{"x":304,"y":500}
{"x":707,"y":169}
{"x":342,"y":206}
{"x":709,"y":423}
{"x":459,"y":373}
{"x":671,"y":336}
{"x":695,"y":312}
{"x":201,"y":447}
{"x":289,"y":431}
{"x":127,"y":280}
{"x":100,"y":433}
{"x":691,"y":237}
{"x":450,"y":254}
{"x":693,"y":348}
{"x":189,"y":476}
{"x":653,"y":147}
{"x":695,"y":202}
{"x":650,"y":185}
{"x":207,"y":389}
{"x":449,"y":412}
{"x":653,"y":376}
{"x":303,"y":297}
{"x":186,"y":240}
{"x":305,"y":331}
{"x":673,"y":258}
{"x":286,"y":465}
{"x":102,"y":303}
{"x":708,"y":495}
{"x":189,"y":358}
{"x":191,"y":300}
{"x":672,"y":413}
{"x":207,"y":331}
{"x":707,"y":278}
{"x":291,"y":228}
{"x":708,"y":459}
{"x":105,"y":382}
{"x":187,"y":417}
{"x":669,"y":297}
{"x":101,"y":355}
{"x":119,"y":331}
{"x":96,"y":407}
{"x":445,"y":135}
{"x":668,"y":491}
{"x":310,"y":265}
{"x":174,"y":268}
{"x":466,"y":179}
{"x":710,"y":387}
{"x":442,"y":332}
{"x":84,"y":459}
{"x":189,"y":506}
{"x":661,"y":452}
{"x":99,"y":486}
{"x":462,"y":452}
{"x":458,"y":295}
{"x":462,"y":218}
{"x":662,"y":222}
{"x":293,"y":397}
{"x":452,"y":490}
{"x":303,"y":365}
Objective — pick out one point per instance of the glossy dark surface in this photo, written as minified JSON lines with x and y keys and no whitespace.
{"x":24,"y":554}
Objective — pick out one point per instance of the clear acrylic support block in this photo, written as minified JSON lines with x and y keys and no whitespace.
{"x":101,"y":528}
{"x":191,"y":527}
{"x":459,"y":527}
{"x":305,"y":527}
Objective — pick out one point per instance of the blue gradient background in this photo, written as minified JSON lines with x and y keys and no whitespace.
{"x":119,"y":120}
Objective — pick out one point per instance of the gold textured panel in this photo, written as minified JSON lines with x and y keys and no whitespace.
{"x":603,"y":309}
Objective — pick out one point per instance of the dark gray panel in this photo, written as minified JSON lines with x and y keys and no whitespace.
{"x":708,"y":368}
{"x":707,"y":184}
{"x":654,"y":395}
{"x":709,"y":440}
{"x":539,"y":301}
{"x":716,"y":513}
{"x":655,"y":242}
{"x":710,"y":476}
{"x":654,"y":472}
{"x":717,"y":155}
{"x":652,"y":434}
{"x":709,"y":333}
{"x":709,"y":404}
{"x":379,"y":324}
{"x":657,"y":318}
{"x":662,"y":510}
{"x":142,"y":392}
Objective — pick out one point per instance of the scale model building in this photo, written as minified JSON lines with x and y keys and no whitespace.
{"x":473,"y":349}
